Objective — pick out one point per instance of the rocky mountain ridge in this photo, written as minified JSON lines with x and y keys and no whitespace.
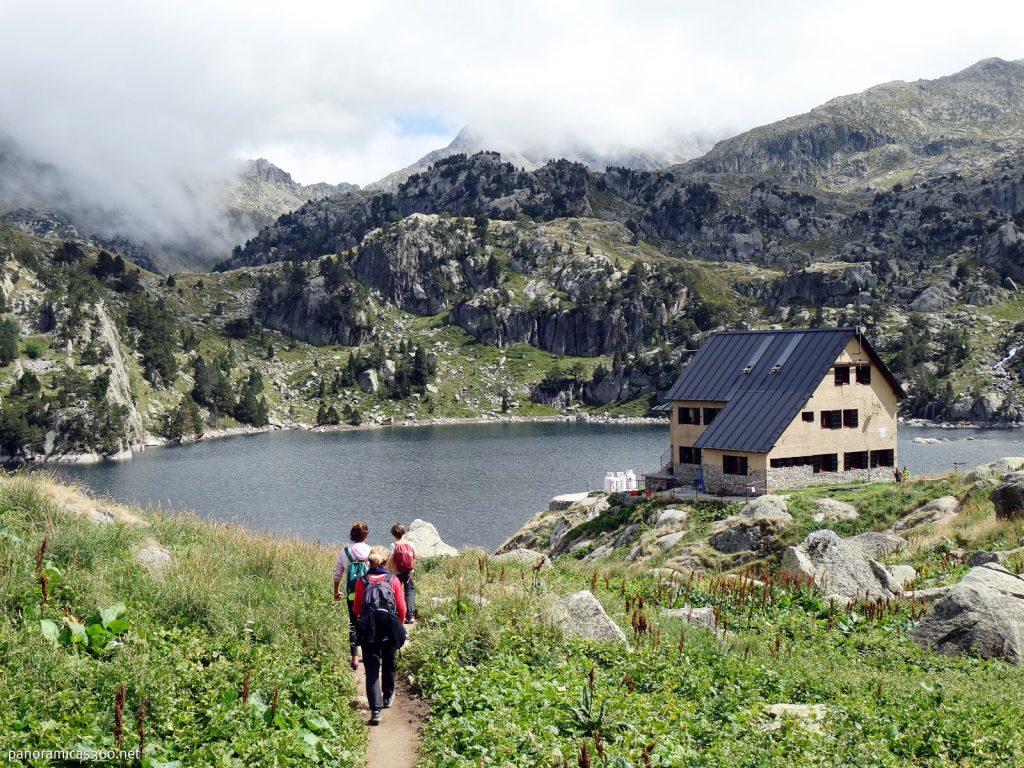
{"x":625,"y":270}
{"x":262,"y":192}
{"x":886,"y":132}
{"x":939,"y":242}
{"x":469,"y":142}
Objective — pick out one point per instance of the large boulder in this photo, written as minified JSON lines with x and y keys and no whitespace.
{"x":933,"y":298}
{"x":983,"y":614}
{"x":672,"y":516}
{"x":838,"y":566}
{"x":703,"y":617}
{"x":742,"y":537}
{"x":997,"y":468}
{"x":1006,"y":464}
{"x":832,"y":510}
{"x":427,"y":540}
{"x":154,"y":557}
{"x":904,"y":574}
{"x":767,"y":507}
{"x":669,"y":540}
{"x":755,"y":529}
{"x":986,"y":406}
{"x":986,"y":556}
{"x":368,"y":381}
{"x":876,"y":544}
{"x":581,"y":615}
{"x":631,"y":532}
{"x":1008,"y":499}
{"x":523,"y":556}
{"x":934,"y":511}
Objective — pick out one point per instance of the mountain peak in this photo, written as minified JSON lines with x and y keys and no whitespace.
{"x":468,"y":141}
{"x":264,"y":170}
{"x":895,"y":128}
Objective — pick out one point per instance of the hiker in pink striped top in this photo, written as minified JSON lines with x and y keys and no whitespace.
{"x":351,"y":568}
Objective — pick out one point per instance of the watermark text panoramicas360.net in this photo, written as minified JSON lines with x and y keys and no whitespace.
{"x":82,"y":755}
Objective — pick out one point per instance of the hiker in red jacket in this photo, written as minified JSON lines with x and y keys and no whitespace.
{"x":403,"y":564}
{"x":379,"y":606}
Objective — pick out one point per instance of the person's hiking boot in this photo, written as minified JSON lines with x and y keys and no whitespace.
{"x":374,"y":717}
{"x":355,"y":665}
{"x":389,"y":701}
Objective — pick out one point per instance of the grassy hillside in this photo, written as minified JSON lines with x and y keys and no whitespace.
{"x":508,"y":691}
{"x":205,"y":641}
{"x":232,"y":655}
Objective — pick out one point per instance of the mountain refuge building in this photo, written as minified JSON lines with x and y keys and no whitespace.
{"x":760,"y":410}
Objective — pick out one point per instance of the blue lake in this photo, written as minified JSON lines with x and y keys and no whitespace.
{"x":478,"y":483}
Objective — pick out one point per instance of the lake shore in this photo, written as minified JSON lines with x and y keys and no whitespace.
{"x":153,"y":441}
{"x":390,"y":423}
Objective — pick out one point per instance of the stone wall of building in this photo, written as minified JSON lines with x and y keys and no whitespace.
{"x":687,"y":474}
{"x":716,"y":481}
{"x":801,"y":477}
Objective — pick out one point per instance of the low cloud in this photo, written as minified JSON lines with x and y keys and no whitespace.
{"x":145,"y":105}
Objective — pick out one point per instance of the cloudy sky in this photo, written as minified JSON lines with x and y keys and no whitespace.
{"x":136,"y":94}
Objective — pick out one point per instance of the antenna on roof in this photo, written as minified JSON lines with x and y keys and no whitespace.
{"x":860,"y":324}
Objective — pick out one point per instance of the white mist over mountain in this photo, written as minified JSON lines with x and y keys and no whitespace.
{"x":145,"y":110}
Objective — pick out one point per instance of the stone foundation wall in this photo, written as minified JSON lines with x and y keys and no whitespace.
{"x":686,"y":474}
{"x":800,"y":477}
{"x":716,"y":481}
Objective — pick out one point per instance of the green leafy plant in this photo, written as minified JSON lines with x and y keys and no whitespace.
{"x":97,"y":635}
{"x":588,"y":715}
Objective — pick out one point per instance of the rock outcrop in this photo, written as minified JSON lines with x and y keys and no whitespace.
{"x":581,"y":615}
{"x":833,"y":510}
{"x":1008,"y":498}
{"x":935,"y":511}
{"x":755,"y":529}
{"x":838,"y":566}
{"x":120,"y":389}
{"x":550,"y":530}
{"x":982,"y":614}
{"x":876,"y":544}
{"x":579,"y":332}
{"x":427,"y":540}
{"x":315,"y":312}
{"x":524,"y":557}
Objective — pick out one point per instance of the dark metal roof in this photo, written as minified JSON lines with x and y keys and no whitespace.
{"x":765,"y":377}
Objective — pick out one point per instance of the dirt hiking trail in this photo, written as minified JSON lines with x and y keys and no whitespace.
{"x":395,"y":743}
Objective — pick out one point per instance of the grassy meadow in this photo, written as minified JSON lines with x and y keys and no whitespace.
{"x":233,"y":656}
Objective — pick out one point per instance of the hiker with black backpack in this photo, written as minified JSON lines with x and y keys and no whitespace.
{"x":351,"y":567}
{"x":380,"y":610}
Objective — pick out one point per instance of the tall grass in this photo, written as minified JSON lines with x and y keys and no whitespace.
{"x":230,"y":603}
{"x":509,"y":690}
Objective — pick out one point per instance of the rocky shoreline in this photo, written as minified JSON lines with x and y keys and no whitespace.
{"x":152,"y":441}
{"x":387,"y":423}
{"x":929,"y":424}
